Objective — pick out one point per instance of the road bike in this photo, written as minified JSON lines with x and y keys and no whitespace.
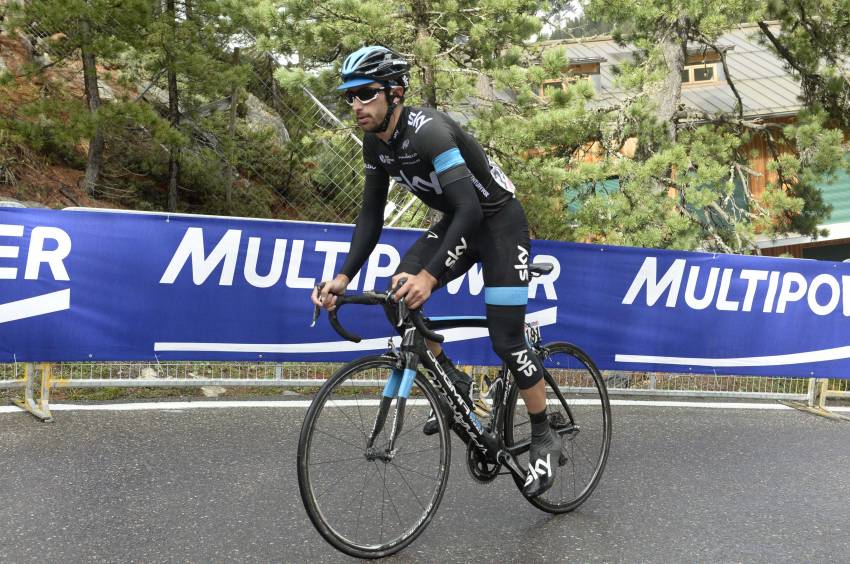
{"x":371,"y":481}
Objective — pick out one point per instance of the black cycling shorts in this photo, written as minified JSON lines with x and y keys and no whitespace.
{"x":501,"y":244}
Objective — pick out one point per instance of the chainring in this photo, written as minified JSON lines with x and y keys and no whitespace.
{"x":482,"y":471}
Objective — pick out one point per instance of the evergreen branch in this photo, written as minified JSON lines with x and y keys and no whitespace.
{"x":739,"y":104}
{"x":783,"y":50}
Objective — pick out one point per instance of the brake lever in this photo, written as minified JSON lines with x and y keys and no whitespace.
{"x":317,"y":309}
{"x":402,"y":307}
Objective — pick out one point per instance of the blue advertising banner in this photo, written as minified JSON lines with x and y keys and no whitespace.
{"x":95,"y":285}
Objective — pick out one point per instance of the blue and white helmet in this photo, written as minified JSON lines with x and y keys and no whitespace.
{"x":374,"y":63}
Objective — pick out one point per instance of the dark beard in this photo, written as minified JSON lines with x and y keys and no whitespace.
{"x":377,"y":128}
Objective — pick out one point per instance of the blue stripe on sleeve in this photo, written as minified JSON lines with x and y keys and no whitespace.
{"x":445,"y":161}
{"x":506,"y":295}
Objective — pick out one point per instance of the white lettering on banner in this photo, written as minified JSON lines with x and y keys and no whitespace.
{"x":690,"y":289}
{"x":547,"y":281}
{"x":192,"y":245}
{"x":225,"y":254}
{"x":275,"y":270}
{"x":648,"y":276}
{"x":723,"y":303}
{"x":753,"y":277}
{"x":822,"y":295}
{"x":331,"y":250}
{"x":9,"y":251}
{"x":38,"y":255}
{"x":293,"y":279}
{"x":373,"y":268}
{"x":476,"y":281}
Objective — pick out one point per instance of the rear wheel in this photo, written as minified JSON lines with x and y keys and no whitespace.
{"x":581,"y":414}
{"x":363,"y":505}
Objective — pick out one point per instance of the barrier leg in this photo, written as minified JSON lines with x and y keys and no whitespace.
{"x":41,"y":407}
{"x":816,"y":401}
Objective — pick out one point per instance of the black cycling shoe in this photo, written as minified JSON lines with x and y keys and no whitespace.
{"x":545,"y":451}
{"x":463,"y":384}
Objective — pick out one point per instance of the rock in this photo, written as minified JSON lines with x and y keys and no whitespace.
{"x":106,"y":93}
{"x":212,"y":391}
{"x":148,"y":374}
{"x":261,"y":115}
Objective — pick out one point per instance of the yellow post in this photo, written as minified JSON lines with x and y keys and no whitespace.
{"x":41,"y":409}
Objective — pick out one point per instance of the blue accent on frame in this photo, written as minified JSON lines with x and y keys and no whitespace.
{"x":445,"y":161}
{"x":393,"y":383}
{"x":406,"y":383}
{"x":506,"y":295}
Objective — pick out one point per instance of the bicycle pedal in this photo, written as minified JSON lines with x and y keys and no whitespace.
{"x":562,"y":459}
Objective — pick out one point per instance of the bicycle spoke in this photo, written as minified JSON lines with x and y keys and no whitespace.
{"x":413,"y":471}
{"x":362,"y":431}
{"x":390,"y":495}
{"x":409,"y":452}
{"x":362,"y":489}
{"x":337,"y":461}
{"x":340,"y":440}
{"x":406,"y":483}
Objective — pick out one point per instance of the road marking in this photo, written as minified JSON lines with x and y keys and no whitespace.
{"x":301,"y":404}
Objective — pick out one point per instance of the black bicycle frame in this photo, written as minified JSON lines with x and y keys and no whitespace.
{"x":414,"y":329}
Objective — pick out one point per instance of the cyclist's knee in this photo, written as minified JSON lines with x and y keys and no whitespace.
{"x":507,"y":331}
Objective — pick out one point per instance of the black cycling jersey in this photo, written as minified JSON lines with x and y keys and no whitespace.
{"x":445,"y":167}
{"x":425,"y":147}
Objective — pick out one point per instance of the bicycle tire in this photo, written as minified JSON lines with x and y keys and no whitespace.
{"x":327,"y":419}
{"x":583,"y":388}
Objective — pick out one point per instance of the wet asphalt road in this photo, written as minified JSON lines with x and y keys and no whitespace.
{"x":681,"y":485}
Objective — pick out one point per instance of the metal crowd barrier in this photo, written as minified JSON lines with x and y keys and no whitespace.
{"x":38,"y":380}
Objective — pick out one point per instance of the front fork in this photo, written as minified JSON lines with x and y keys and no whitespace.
{"x":398,"y":386}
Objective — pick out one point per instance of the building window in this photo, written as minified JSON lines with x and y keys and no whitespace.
{"x":556,"y":83}
{"x":700,"y":73}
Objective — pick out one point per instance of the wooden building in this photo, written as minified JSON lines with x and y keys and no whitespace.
{"x":768,"y":92}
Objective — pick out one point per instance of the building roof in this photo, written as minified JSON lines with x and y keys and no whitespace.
{"x":766,"y":88}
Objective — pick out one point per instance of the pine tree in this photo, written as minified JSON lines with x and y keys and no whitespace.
{"x":96,"y":29}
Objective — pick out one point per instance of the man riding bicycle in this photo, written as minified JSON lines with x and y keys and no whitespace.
{"x":424,"y":150}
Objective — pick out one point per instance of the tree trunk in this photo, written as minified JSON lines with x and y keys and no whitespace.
{"x":673,"y":49}
{"x":429,"y":81}
{"x":96,"y":143}
{"x":231,"y":132}
{"x":173,"y":111}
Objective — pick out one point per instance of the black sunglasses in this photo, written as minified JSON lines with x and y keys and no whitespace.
{"x":365,"y":95}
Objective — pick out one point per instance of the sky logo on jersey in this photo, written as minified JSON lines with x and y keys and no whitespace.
{"x":417,"y":120}
{"x":458,"y":252}
{"x":522,"y":267}
{"x":418,"y":184}
{"x":37,"y":255}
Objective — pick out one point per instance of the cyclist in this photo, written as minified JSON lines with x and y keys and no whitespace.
{"x":425,"y":151}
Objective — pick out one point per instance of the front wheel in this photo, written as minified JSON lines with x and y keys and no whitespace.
{"x":365,"y":505}
{"x":580,"y":413}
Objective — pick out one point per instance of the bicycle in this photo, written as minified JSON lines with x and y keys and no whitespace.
{"x":346,"y":429}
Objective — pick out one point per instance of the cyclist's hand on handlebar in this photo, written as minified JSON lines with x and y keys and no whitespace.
{"x":326,"y":294}
{"x":417,"y":289}
{"x":394,"y":285}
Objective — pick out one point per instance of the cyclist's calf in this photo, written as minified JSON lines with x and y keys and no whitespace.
{"x":507,"y":331}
